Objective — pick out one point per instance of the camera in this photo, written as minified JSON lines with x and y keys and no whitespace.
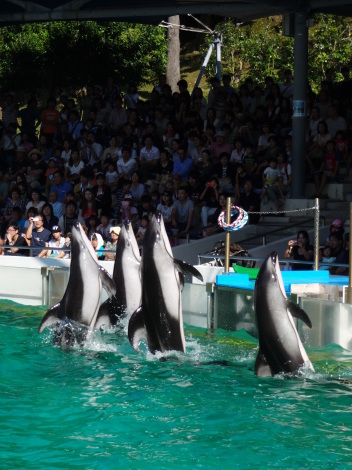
{"x":35,"y":219}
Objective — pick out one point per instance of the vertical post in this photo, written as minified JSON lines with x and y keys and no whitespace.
{"x":218,"y":41}
{"x":227,"y":236}
{"x":210,"y":286}
{"x":349,"y":288}
{"x":299,"y":119}
{"x":316,"y":234}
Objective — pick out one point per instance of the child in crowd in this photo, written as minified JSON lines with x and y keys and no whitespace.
{"x":111,"y":175}
{"x":325,"y":256}
{"x":141,"y":230}
{"x":272,"y":184}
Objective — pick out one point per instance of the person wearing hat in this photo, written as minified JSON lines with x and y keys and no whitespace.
{"x":128,"y":211}
{"x":339,"y":253}
{"x":55,"y":243}
{"x":36,"y":169}
{"x":219,"y":146}
{"x":335,"y":227}
{"x":111,"y":245}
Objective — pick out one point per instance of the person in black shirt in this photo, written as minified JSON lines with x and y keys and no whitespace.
{"x":250,"y":201}
{"x":14,"y":242}
{"x":300,"y":250}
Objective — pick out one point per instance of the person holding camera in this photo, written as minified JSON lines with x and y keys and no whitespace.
{"x":38,"y":236}
{"x":300,"y":250}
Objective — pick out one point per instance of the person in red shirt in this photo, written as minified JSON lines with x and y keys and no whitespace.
{"x":50,"y":120}
{"x":329,"y":167}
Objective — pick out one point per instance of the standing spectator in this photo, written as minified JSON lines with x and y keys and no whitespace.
{"x":30,"y":119}
{"x":38,"y":236}
{"x":50,"y":120}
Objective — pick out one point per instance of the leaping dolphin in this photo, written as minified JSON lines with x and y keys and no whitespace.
{"x":81,"y":301}
{"x":280,"y":347}
{"x":159,"y":320}
{"x":127,"y":278}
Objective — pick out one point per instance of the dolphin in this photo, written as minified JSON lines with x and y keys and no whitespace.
{"x":81,"y":301}
{"x":280,"y":347}
{"x":159,"y":320}
{"x":127,"y":278}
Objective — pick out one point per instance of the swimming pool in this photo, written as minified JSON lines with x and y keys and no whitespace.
{"x":106,"y":407}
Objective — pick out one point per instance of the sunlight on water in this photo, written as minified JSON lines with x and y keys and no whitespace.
{"x":103,"y":406}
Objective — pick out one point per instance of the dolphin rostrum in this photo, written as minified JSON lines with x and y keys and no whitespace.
{"x":127,"y":278}
{"x":81,"y":301}
{"x":280,"y":347}
{"x":159,"y":320}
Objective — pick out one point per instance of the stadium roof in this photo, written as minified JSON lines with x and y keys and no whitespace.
{"x":20,"y":11}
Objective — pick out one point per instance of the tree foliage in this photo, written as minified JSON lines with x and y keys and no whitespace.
{"x":258,"y":49}
{"x":45,"y":55}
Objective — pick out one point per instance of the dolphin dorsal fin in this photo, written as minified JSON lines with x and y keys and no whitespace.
{"x":298,"y":312}
{"x":50,"y":318}
{"x":186,"y":268}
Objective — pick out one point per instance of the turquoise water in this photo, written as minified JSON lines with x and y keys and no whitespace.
{"x":106,"y":407}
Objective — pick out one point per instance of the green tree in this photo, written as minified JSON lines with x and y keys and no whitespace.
{"x":70,"y":54}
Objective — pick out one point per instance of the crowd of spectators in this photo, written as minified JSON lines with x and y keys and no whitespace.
{"x":105,"y":158}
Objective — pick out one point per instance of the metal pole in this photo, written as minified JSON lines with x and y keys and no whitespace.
{"x":205,"y":63}
{"x":316,"y":234}
{"x":227,"y":236}
{"x":218,"y":41}
{"x":349,"y":288}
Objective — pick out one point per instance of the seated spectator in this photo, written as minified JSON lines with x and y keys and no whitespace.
{"x":16,"y":218}
{"x":220,"y":145}
{"x":126,"y":165}
{"x":98,"y":245}
{"x":239,"y":152}
{"x":111,"y":176}
{"x":14,"y":242}
{"x":285,"y":172}
{"x":74,"y":167}
{"x":13,"y":201}
{"x":250,"y":201}
{"x":71,"y":216}
{"x":92,"y":225}
{"x":56,"y":243}
{"x":182,"y":167}
{"x":61,"y":186}
{"x":36,"y":170}
{"x":329,"y":168}
{"x":166,"y":207}
{"x":137,"y":188}
{"x":215,"y":228}
{"x":142,"y":229}
{"x":209,"y":200}
{"x":49,"y":219}
{"x":163,"y":169}
{"x":49,"y":174}
{"x":317,"y":147}
{"x":89,"y":205}
{"x":129,"y":213}
{"x":339,"y":253}
{"x":58,"y":207}
{"x":104,"y":226}
{"x":36,"y":202}
{"x":38,"y":236}
{"x":183,"y":215}
{"x":225,"y":174}
{"x":111,"y":245}
{"x":300,"y":250}
{"x":148,"y":158}
{"x":325,"y":256}
{"x":82,"y":186}
{"x":123,"y":189}
{"x":102,"y":193}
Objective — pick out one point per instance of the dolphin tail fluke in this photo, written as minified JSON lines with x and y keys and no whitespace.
{"x":262,"y":368}
{"x":298,"y":312}
{"x":107,"y":281}
{"x":50,"y":318}
{"x":103,"y":318}
{"x":137,"y":330}
{"x":186,"y":268}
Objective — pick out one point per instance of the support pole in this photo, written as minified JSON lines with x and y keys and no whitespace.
{"x":316,"y":234}
{"x":349,"y":288}
{"x":299,"y":119}
{"x":218,"y":42}
{"x":205,"y":63}
{"x":227,"y":235}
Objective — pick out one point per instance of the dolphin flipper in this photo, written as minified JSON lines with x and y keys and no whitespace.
{"x":298,"y":312}
{"x":186,"y":268}
{"x":262,"y":368}
{"x":107,"y":281}
{"x":50,"y":317}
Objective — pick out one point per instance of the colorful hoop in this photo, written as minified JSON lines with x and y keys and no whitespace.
{"x":237,"y":224}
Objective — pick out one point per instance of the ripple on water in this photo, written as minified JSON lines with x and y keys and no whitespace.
{"x":104,"y":405}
